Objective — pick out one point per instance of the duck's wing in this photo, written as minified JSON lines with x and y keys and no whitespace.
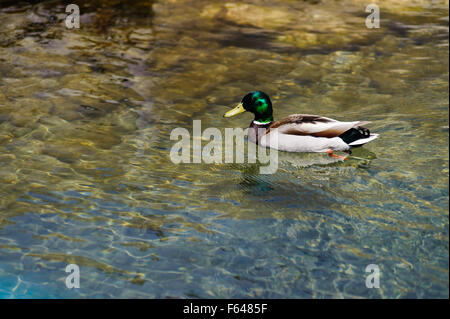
{"x":312,"y":125}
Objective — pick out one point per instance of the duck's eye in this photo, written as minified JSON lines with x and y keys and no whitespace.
{"x":259,"y":102}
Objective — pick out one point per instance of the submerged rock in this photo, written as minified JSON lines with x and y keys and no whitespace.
{"x":249,"y":14}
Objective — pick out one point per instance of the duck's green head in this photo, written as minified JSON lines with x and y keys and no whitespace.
{"x":256,"y":102}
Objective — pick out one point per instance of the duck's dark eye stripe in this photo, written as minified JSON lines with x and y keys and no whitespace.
{"x":260,"y":102}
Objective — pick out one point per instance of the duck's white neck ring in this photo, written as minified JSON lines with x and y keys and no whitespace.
{"x":260,"y":123}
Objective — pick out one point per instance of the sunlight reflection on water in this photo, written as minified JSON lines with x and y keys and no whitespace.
{"x":86,"y":178}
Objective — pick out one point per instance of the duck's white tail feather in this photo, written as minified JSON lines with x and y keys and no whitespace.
{"x":364,"y":140}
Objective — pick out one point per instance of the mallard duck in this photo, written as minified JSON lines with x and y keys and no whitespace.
{"x":299,"y":132}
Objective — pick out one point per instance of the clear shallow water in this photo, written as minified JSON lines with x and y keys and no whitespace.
{"x":86,"y":177}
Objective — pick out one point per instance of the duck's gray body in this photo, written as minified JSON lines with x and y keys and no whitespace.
{"x":307,"y":133}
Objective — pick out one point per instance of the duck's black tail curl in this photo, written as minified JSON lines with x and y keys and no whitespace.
{"x":355,"y":134}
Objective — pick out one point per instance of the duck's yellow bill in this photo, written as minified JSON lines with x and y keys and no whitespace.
{"x":237,"y":110}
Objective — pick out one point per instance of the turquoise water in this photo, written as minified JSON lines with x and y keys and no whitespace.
{"x":86,"y":176}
